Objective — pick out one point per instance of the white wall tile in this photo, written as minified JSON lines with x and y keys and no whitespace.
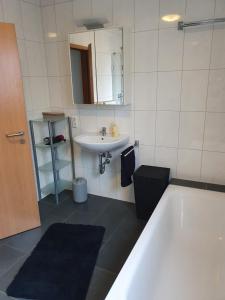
{"x":32,"y":22}
{"x":123,"y":13}
{"x":63,"y":58}
{"x":194,"y":90}
{"x":216,"y":92}
{"x":197,"y":46}
{"x":93,"y":180}
{"x":27,"y":93}
{"x":105,"y":118}
{"x":171,"y":7}
{"x":124,"y":119}
{"x":146,"y":14}
{"x":218,"y":47}
{"x":55,"y":91}
{"x":145,"y":155}
{"x":167,"y":158}
{"x":199,"y":9}
{"x":82,"y":9}
{"x":146,"y":45}
{"x":109,"y":185}
{"x":64,"y":20}
{"x":213,"y":167}
{"x":145,"y":127}
{"x":189,"y":164}
{"x":214,"y":139}
{"x":52,"y":59}
{"x":220,"y":8}
{"x":47,"y":2}
{"x":169,"y":89}
{"x":13,"y":14}
{"x":66,"y":91}
{"x":145,"y":91}
{"x":102,"y":9}
{"x":49,"y":23}
{"x":167,"y":127}
{"x":2,"y":17}
{"x":23,"y":57}
{"x":191,"y":130}
{"x":88,"y":120}
{"x":36,"y":58}
{"x":170,"y":49}
{"x":39,"y":92}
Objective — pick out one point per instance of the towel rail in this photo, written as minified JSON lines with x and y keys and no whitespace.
{"x":182,"y":25}
{"x":136,"y":144}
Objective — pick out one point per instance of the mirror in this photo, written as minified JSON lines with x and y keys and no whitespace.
{"x":96,"y":59}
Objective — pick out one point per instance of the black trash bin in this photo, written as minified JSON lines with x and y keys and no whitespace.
{"x":149,"y":185}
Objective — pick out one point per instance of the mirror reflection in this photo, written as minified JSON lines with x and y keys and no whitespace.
{"x":97,"y":66}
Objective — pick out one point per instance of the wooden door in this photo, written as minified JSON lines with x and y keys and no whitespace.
{"x":86,"y":71}
{"x":18,"y":198}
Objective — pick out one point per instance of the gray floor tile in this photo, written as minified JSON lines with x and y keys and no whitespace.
{"x":8,"y":257}
{"x":8,"y":277}
{"x":26,"y":241}
{"x":86,"y":218}
{"x":4,"y":297}
{"x":113,"y":215}
{"x":114,"y":253}
{"x":95,"y":204}
{"x":101,"y":283}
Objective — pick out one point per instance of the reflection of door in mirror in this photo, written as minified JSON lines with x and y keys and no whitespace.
{"x":82,"y":73}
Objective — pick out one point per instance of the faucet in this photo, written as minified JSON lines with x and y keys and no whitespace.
{"x":103,"y":131}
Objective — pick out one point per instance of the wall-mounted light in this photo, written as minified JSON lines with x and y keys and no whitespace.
{"x":171,"y":18}
{"x":94,"y":23}
{"x":52,"y":34}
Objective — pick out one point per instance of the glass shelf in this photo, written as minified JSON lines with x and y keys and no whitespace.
{"x":56,"y":145}
{"x":59,"y":164}
{"x":52,"y":120}
{"x":61,"y":186}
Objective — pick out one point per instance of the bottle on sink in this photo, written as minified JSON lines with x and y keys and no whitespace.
{"x":114,"y":130}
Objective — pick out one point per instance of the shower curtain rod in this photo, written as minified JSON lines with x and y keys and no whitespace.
{"x":182,"y":25}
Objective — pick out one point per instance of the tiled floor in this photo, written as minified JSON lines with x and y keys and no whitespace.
{"x":122,"y":231}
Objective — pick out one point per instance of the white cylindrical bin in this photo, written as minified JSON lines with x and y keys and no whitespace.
{"x":80,"y":190}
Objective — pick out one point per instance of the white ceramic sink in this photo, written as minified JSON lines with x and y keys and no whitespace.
{"x":99,"y":143}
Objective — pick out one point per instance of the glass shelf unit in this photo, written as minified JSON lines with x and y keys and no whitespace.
{"x":59,"y":164}
{"x":55,"y":145}
{"x":62,"y":185}
{"x":55,"y":165}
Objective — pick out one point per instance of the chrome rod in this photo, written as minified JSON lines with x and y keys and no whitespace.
{"x":19,"y":133}
{"x":182,"y":25}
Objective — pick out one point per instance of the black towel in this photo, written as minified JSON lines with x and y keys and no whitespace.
{"x":127,"y":166}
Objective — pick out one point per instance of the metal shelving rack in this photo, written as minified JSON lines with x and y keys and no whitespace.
{"x":56,"y":164}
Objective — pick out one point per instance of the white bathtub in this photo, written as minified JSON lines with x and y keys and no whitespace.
{"x":181,"y":253}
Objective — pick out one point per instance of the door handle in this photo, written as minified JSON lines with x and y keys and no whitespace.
{"x":19,"y":133}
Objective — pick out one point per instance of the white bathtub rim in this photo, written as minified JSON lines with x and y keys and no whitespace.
{"x":129,"y":268}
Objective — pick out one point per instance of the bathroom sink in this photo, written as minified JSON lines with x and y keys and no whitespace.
{"x":99,"y":143}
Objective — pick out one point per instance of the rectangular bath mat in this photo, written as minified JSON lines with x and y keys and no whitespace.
{"x":61,"y":265}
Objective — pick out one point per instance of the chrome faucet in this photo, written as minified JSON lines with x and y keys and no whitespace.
{"x":103,"y":131}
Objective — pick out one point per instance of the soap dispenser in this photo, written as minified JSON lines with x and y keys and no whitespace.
{"x":114,"y":130}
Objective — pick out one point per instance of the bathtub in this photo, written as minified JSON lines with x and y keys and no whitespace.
{"x":180,"y":255}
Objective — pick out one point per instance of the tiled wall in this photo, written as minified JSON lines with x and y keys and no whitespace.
{"x":178,"y":106}
{"x":26,"y":15}
{"x":177,"y":111}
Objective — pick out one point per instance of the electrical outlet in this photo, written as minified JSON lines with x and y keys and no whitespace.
{"x":74,"y":122}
